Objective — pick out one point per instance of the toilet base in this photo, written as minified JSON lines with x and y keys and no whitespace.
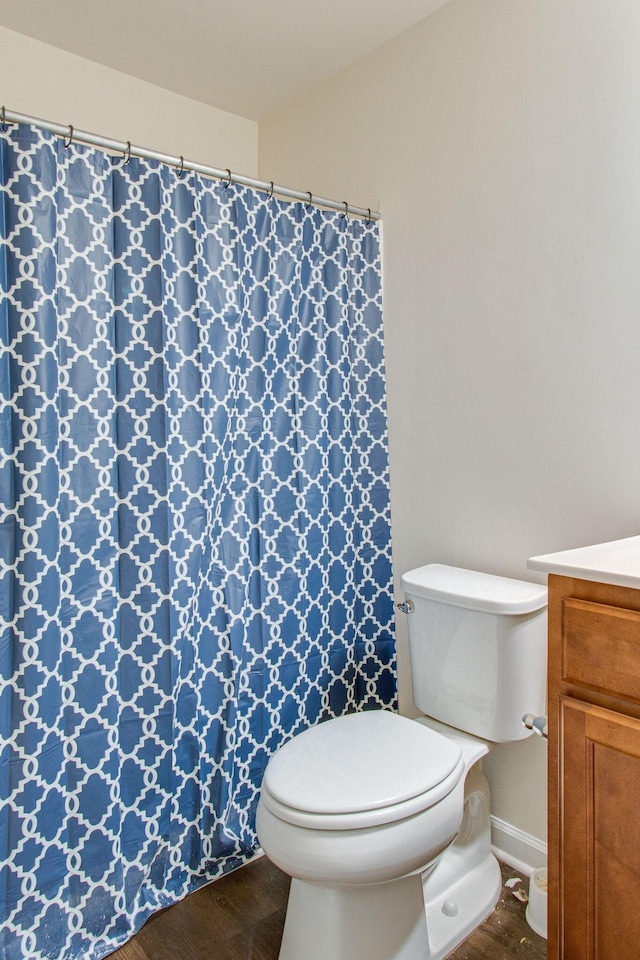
{"x":388,"y":921}
{"x":469,"y":901}
{"x":378,"y":921}
{"x":464,"y":885}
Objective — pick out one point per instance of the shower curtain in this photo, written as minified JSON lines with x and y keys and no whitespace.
{"x":194,"y":523}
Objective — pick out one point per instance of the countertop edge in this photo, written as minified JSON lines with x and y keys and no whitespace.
{"x":616,"y":562}
{"x":581,"y":573}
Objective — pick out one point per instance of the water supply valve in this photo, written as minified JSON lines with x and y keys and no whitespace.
{"x":539,"y":725}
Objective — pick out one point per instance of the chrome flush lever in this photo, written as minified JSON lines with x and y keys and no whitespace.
{"x":406,"y":607}
{"x":539,"y":725}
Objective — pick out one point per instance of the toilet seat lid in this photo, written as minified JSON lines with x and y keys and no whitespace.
{"x":360,"y":762}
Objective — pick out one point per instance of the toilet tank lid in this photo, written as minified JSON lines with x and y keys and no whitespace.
{"x":473,"y":590}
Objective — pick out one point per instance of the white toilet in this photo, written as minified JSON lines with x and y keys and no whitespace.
{"x":383,"y":821}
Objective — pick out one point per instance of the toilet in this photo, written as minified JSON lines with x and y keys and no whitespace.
{"x":382,"y":821}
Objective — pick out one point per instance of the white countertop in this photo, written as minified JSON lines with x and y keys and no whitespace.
{"x":616,"y":562}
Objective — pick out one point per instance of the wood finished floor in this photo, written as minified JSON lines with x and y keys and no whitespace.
{"x":240,"y":917}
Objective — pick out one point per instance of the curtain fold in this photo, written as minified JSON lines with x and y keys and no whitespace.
{"x":194,"y":524}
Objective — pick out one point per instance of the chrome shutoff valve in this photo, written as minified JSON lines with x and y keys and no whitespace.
{"x":539,"y":725}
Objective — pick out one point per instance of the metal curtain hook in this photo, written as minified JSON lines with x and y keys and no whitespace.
{"x":368,"y":220}
{"x":309,"y":202}
{"x":346,"y":209}
{"x":127,"y":153}
{"x":3,"y":124}
{"x":227,"y":182}
{"x":180,"y":169}
{"x":270,"y":190}
{"x":68,"y":143}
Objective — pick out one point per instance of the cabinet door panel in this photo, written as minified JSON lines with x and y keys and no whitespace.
{"x":616,"y":851}
{"x":601,"y":647}
{"x":600,"y":877}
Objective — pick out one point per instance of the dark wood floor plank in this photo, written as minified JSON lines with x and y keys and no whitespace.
{"x":241,"y":917}
{"x":261,"y":942}
{"x":131,"y":951}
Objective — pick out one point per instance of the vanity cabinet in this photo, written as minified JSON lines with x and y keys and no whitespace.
{"x":594,"y":771}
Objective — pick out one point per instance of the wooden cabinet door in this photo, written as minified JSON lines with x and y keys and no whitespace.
{"x":600,"y":833}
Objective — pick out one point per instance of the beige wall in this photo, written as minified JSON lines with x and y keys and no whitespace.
{"x":41,"y":81}
{"x":501,"y":141}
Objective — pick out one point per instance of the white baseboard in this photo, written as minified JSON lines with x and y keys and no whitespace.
{"x":513,"y":846}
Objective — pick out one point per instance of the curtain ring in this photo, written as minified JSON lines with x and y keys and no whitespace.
{"x":180,"y":169}
{"x":368,"y":220}
{"x":3,"y":123}
{"x":228,"y":181}
{"x":68,"y":144}
{"x":309,"y":202}
{"x":346,"y":209}
{"x":127,"y":153}
{"x":270,"y":190}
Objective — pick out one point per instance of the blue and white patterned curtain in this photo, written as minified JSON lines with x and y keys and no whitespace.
{"x":195,"y":542}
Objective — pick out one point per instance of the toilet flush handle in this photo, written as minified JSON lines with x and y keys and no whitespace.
{"x":539,"y":725}
{"x":405,"y":607}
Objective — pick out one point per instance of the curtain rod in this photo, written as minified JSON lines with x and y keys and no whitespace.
{"x":130,"y":150}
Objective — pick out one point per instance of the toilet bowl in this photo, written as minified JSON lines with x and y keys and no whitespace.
{"x":345,"y":802}
{"x":382,"y":821}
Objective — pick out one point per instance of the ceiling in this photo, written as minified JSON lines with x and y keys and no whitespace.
{"x":250,"y":57}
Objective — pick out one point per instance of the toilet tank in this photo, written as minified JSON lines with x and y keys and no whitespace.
{"x":478,"y":648}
